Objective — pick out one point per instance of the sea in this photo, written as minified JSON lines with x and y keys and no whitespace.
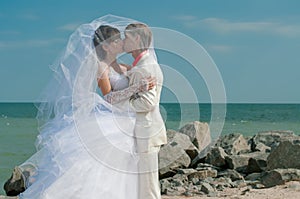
{"x":18,"y":126}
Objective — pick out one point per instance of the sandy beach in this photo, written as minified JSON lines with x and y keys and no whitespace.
{"x":290,"y":190}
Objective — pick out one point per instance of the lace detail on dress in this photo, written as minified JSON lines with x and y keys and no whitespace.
{"x":120,"y":90}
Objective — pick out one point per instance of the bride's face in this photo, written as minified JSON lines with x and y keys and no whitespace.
{"x":115,"y":46}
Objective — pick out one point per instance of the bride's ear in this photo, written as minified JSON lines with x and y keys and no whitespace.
{"x":105,"y":47}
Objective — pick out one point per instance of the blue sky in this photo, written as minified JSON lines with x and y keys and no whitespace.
{"x":254,"y":43}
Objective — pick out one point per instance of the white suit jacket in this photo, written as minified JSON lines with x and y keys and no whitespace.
{"x":149,"y":127}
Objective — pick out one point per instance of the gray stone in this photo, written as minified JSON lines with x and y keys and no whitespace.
{"x":279,"y":176}
{"x":253,"y":176}
{"x":232,"y":174}
{"x":207,"y":188}
{"x":164,"y":185}
{"x":257,"y":163}
{"x":233,"y":143}
{"x":238,"y":184}
{"x":201,"y":175}
{"x":172,"y":156}
{"x":198,"y":132}
{"x":216,"y":156}
{"x":240,"y":162}
{"x":271,"y":139}
{"x":237,"y":162}
{"x":286,"y":155}
{"x":175,"y":191}
{"x":15,"y":184}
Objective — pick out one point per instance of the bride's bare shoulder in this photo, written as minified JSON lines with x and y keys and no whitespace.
{"x":103,"y":68}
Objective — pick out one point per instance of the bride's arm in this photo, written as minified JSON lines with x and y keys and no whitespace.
{"x":114,"y":97}
{"x":117,"y":96}
{"x":104,"y":83}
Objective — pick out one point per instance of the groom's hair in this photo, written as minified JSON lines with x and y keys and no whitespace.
{"x":143,"y":31}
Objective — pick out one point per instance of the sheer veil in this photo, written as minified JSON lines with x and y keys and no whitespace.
{"x":72,"y":89}
{"x":69,"y":130}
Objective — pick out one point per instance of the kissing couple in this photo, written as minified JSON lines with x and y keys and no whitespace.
{"x":100,"y":127}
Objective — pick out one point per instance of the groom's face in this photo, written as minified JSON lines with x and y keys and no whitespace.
{"x":130,"y":43}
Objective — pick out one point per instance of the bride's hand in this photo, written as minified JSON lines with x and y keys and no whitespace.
{"x":148,"y":83}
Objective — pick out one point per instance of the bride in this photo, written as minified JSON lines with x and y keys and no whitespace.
{"x":85,"y":148}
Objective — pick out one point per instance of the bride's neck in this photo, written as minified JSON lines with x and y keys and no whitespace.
{"x":109,"y":60}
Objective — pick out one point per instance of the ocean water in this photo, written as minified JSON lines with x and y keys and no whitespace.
{"x":18,"y":126}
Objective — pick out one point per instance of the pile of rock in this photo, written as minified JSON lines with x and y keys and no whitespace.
{"x":192,"y":163}
{"x":264,"y":160}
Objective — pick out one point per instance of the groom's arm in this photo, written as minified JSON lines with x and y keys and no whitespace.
{"x":142,"y":101}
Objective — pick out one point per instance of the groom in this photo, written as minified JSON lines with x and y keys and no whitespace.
{"x":150,"y":131}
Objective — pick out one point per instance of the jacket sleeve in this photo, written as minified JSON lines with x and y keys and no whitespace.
{"x":143,"y":101}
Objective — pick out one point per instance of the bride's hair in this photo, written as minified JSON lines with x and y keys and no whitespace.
{"x":104,"y":34}
{"x":143,"y":31}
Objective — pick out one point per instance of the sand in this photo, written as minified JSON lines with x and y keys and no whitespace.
{"x":290,"y":190}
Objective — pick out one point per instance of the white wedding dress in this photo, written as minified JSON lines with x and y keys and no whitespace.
{"x":67,"y":165}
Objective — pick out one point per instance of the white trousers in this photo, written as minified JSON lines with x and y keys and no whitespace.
{"x":149,"y":186}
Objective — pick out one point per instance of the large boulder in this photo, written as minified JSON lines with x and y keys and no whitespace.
{"x":216,"y":157}
{"x":198,"y":132}
{"x":286,"y":155}
{"x":173,"y":155}
{"x":280,"y":176}
{"x":233,"y":144}
{"x":15,"y":184}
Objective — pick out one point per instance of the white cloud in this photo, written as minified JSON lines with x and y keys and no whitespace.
{"x":223,"y":26}
{"x":69,"y":27}
{"x":6,"y":45}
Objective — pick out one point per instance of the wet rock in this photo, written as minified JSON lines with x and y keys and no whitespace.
{"x":15,"y":184}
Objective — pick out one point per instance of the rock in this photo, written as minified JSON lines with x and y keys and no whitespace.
{"x":201,"y":175}
{"x":216,"y":156}
{"x":270,"y":139}
{"x":198,"y":132}
{"x":257,"y":163}
{"x":207,"y":188}
{"x":238,"y":184}
{"x":184,"y":142}
{"x":175,"y":191}
{"x":15,"y":185}
{"x":240,"y":162}
{"x":204,"y":166}
{"x":180,"y":177}
{"x":261,"y":147}
{"x":286,"y":155}
{"x":253,"y":176}
{"x":280,"y":176}
{"x":232,"y":174}
{"x":237,"y":162}
{"x":233,"y":144}
{"x":164,"y":185}
{"x":173,"y":156}
{"x":186,"y":171}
